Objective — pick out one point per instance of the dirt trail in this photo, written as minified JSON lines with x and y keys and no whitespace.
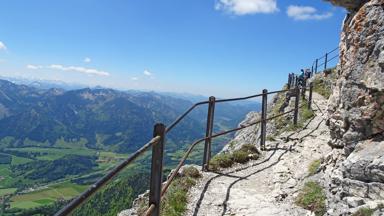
{"x":267,"y":186}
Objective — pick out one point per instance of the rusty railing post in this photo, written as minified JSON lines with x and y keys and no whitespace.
{"x":157,"y":169}
{"x":263,"y":128}
{"x":325,"y":61}
{"x":303,"y":88}
{"x":289,"y":80}
{"x":317,"y":61}
{"x":297,"y":98}
{"x":310,"y":96}
{"x":208,"y":133}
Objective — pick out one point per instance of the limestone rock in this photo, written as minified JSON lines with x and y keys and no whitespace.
{"x":354,"y":201}
{"x":366,"y":163}
{"x":348,"y":4}
{"x":356,"y":110}
{"x":250,"y":135}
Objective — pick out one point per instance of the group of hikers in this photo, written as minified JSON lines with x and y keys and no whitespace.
{"x":300,"y":80}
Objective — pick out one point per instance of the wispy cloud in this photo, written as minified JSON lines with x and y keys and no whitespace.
{"x":244,"y":7}
{"x":306,"y":13}
{"x":89,"y":71}
{"x":87,"y":60}
{"x":147,"y":73}
{"x":134,"y":78}
{"x":2,"y":46}
{"x":34,"y":67}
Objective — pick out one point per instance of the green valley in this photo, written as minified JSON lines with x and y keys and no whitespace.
{"x":54,"y":143}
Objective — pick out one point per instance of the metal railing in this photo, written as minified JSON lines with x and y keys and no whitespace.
{"x":157,"y":188}
{"x":322,"y":62}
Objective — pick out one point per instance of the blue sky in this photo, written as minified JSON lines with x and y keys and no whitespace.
{"x":210,"y":47}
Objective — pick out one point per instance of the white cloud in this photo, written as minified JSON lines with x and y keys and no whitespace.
{"x":84,"y":70}
{"x":134,"y":78}
{"x":147,"y":73}
{"x":2,"y":46}
{"x":244,"y":7}
{"x":87,"y":60}
{"x":306,"y":13}
{"x":89,"y":71}
{"x":34,"y":67}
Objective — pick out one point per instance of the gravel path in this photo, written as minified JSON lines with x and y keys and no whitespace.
{"x":267,"y":186}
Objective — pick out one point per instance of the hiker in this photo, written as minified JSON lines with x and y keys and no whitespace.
{"x":301,"y":78}
{"x":307,"y":73}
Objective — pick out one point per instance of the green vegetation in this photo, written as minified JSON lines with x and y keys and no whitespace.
{"x":304,"y":115}
{"x":314,"y":166}
{"x":312,"y":198}
{"x":280,"y":122}
{"x":322,"y":82}
{"x":47,"y":171}
{"x":175,"y":200}
{"x":47,"y":195}
{"x":116,"y":195}
{"x":5,"y":159}
{"x":364,"y":212}
{"x":367,"y":211}
{"x":270,"y":138}
{"x":7,"y":191}
{"x":191,"y":172}
{"x":77,"y":136}
{"x":46,"y":209}
{"x":240,"y":156}
{"x":321,"y":87}
{"x":7,"y":180}
{"x":224,"y":160}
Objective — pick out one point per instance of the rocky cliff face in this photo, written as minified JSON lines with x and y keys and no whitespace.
{"x":356,"y":108}
{"x":356,"y":112}
{"x":351,"y":5}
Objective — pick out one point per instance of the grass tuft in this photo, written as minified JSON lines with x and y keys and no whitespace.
{"x":191,"y":172}
{"x":240,"y":156}
{"x":270,"y":138}
{"x":175,"y":201}
{"x":364,"y":212}
{"x":368,"y":211}
{"x":312,"y":198}
{"x":320,"y":86}
{"x":314,"y":167}
{"x":223,"y":160}
{"x":244,"y":154}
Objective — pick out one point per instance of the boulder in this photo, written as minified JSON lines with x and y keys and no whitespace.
{"x":366,"y":162}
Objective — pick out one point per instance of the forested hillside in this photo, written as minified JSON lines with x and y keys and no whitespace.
{"x":55,"y":142}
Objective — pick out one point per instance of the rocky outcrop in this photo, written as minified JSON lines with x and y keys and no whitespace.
{"x":356,"y":110}
{"x":366,"y":163}
{"x":351,"y":5}
{"x":250,"y":135}
{"x":355,"y":175}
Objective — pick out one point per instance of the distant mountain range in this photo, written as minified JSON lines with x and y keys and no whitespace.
{"x":106,"y":118}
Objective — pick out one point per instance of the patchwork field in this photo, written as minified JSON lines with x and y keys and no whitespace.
{"x":47,"y":195}
{"x":50,"y":192}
